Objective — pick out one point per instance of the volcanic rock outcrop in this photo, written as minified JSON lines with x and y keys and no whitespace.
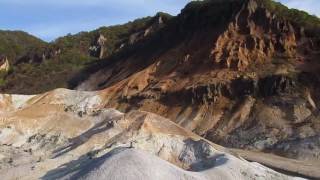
{"x":98,"y":49}
{"x":4,"y":64}
{"x":255,"y":36}
{"x":247,"y":79}
{"x":156,"y":23}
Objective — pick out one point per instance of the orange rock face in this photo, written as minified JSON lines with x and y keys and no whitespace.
{"x":255,"y":36}
{"x":232,"y":71}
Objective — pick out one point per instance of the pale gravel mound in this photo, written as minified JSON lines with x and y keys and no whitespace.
{"x":64,"y":134}
{"x":133,"y":164}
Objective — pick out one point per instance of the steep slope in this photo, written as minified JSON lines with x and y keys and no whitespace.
{"x":37,"y":66}
{"x":244,"y":74}
{"x":66,"y":134}
{"x":15,"y":44}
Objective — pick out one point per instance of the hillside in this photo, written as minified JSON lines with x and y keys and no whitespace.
{"x":68,"y":60}
{"x":249,"y":73}
{"x":15,"y":44}
{"x":243,"y":74}
{"x":37,"y":66}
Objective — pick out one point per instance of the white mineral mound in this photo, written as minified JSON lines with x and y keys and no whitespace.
{"x":67,"y":134}
{"x":131,"y":164}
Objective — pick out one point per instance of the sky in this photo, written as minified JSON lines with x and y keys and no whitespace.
{"x":49,"y":19}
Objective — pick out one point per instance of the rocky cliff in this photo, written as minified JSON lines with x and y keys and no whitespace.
{"x":229,"y":71}
{"x":256,"y":35}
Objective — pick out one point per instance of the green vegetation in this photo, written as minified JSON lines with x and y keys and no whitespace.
{"x":2,"y":78}
{"x":220,"y":10}
{"x":30,"y":73}
{"x":36,"y":76}
{"x":301,"y":18}
{"x":209,"y":12}
{"x":115,"y":36}
{"x":17,"y":43}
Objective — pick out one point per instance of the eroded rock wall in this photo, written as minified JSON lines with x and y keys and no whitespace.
{"x":255,"y":36}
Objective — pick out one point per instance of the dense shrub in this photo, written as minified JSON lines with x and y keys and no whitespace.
{"x":17,"y":43}
{"x":301,"y":18}
{"x":34,"y":76}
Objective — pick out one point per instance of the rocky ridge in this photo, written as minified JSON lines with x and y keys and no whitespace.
{"x":255,"y":36}
{"x":251,"y":73}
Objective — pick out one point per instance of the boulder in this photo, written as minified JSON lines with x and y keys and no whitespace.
{"x":4,"y":64}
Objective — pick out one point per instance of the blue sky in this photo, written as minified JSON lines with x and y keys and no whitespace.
{"x":49,"y":19}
